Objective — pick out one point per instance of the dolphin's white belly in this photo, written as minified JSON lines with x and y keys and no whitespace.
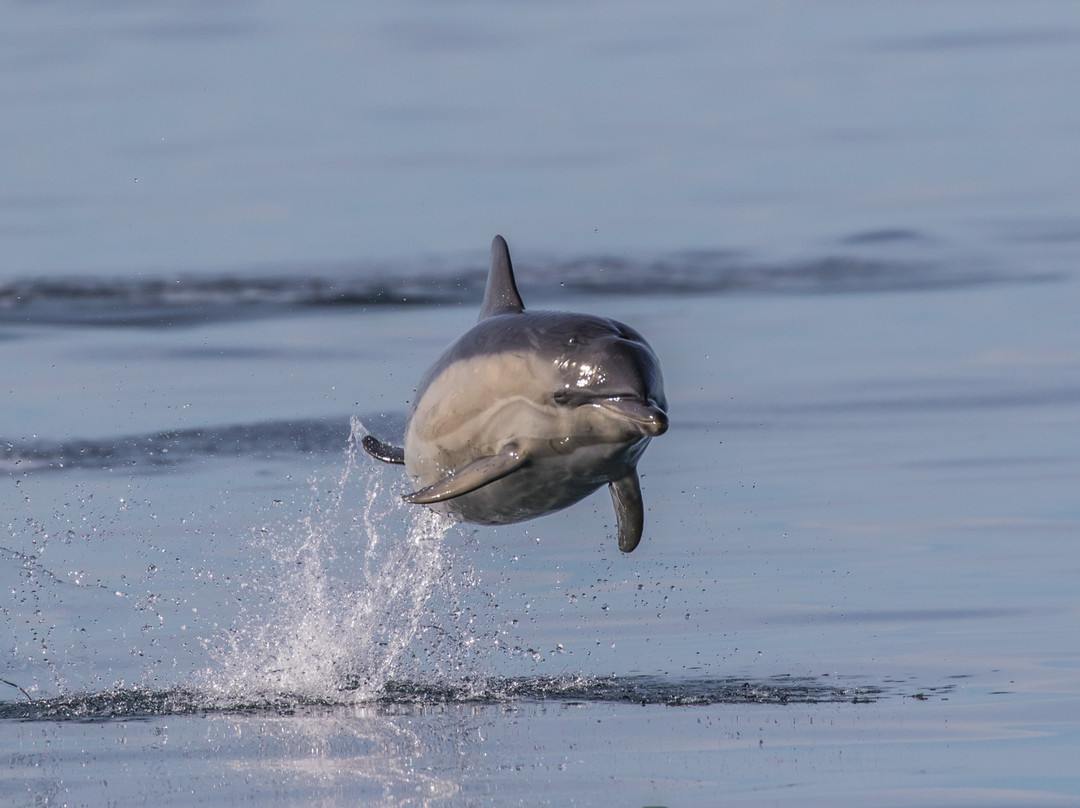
{"x":547,"y":484}
{"x":479,"y":406}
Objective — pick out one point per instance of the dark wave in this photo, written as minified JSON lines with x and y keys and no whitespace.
{"x":191,"y":299}
{"x":631,"y":689}
{"x":162,"y":450}
{"x":187,"y":299}
{"x":136,"y":703}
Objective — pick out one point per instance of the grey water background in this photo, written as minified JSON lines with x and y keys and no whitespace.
{"x":851,"y":233}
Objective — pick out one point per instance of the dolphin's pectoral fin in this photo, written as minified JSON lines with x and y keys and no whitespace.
{"x":474,"y":475}
{"x":629,"y":512}
{"x":383,"y":451}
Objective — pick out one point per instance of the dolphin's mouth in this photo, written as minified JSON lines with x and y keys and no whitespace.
{"x":646,"y":415}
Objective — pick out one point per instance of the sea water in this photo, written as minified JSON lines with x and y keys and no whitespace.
{"x":236,"y":237}
{"x":838,"y":577}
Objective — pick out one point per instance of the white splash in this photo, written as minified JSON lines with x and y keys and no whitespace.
{"x":347,"y":594}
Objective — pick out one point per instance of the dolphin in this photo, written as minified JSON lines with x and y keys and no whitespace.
{"x":530,"y":412}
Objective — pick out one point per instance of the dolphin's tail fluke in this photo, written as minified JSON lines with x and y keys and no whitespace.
{"x":383,"y":451}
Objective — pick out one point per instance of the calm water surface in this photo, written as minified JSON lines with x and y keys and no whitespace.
{"x":235,"y":237}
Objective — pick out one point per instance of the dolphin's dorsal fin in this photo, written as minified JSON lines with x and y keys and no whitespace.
{"x":501,"y":295}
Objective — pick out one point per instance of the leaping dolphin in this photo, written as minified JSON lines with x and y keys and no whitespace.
{"x":529,"y":412}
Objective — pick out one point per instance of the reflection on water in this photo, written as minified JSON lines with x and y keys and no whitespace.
{"x":544,"y":753}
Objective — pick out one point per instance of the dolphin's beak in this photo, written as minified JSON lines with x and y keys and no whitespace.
{"x":648,"y":417}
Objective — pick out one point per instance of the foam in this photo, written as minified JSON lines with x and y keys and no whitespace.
{"x":344,"y":597}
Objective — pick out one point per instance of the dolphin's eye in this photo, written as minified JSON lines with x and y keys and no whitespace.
{"x":561,"y":397}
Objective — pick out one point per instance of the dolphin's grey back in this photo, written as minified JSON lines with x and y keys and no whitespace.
{"x":501,"y":295}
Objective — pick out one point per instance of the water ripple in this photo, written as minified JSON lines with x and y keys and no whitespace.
{"x":189,"y":299}
{"x":171,"y":448}
{"x":141,"y":703}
